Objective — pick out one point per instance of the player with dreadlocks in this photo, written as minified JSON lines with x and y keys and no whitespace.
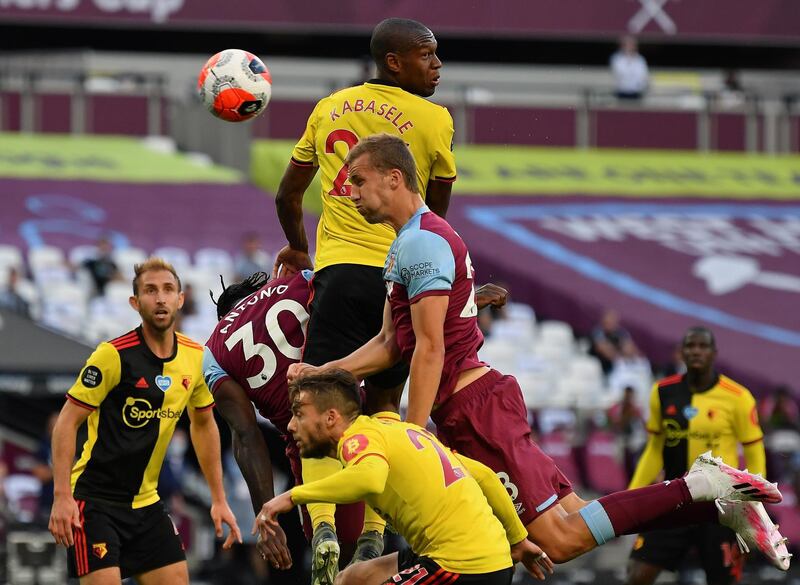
{"x":261,"y":332}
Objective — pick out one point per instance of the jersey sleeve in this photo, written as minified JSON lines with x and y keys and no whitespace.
{"x":213,"y":373}
{"x":201,"y":397}
{"x":654,"y":420}
{"x":745,"y":423}
{"x":99,"y":376}
{"x":426,"y":265}
{"x":366,"y":468}
{"x":354,"y":448}
{"x":444,"y":165}
{"x":305,"y":151}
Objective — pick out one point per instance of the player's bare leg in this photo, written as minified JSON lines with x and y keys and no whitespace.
{"x":174,"y":574}
{"x":562,"y":535}
{"x":640,"y":573}
{"x":108,"y":576}
{"x":376,"y":570}
{"x":572,"y":503}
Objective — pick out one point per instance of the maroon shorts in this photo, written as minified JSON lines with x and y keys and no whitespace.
{"x":349,"y":517}
{"x":488,"y":421}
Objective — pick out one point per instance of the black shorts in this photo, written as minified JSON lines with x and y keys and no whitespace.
{"x":716,"y":548}
{"x":135,"y":540}
{"x":346,"y":312}
{"x":424,"y":571}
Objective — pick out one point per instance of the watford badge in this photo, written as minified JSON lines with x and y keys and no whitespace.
{"x":100,"y":549}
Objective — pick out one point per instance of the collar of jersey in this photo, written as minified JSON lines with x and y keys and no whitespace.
{"x":417,"y":213}
{"x":387,"y":415}
{"x":376,"y":81}
{"x":150,"y":351}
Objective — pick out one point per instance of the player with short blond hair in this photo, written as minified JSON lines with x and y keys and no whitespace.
{"x":130,"y":394}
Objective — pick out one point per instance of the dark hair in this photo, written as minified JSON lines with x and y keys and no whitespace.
{"x":700,"y":330}
{"x":152,"y":263}
{"x":387,"y":152}
{"x":333,"y":388}
{"x":394,"y":35}
{"x":236,"y":292}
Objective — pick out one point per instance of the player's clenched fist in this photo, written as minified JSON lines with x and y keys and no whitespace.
{"x":299,"y":370}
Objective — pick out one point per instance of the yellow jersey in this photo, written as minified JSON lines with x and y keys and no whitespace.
{"x":135,"y":399}
{"x":449,"y":508}
{"x":334,"y":127}
{"x":692,"y":423}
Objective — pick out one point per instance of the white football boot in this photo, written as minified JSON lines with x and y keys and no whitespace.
{"x":754,"y":528}
{"x":711,"y":479}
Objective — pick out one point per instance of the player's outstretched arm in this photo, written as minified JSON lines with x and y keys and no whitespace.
{"x":289,"y":204}
{"x":205,"y":440}
{"x":490,"y":294}
{"x":379,"y":353}
{"x":427,"y":319}
{"x":64,"y":515}
{"x":351,"y":484}
{"x":437,"y":196}
{"x":650,"y":463}
{"x":252,"y":456}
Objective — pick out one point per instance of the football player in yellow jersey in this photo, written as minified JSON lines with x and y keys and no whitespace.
{"x":452,"y":510}
{"x":132,"y":391}
{"x":348,"y":288}
{"x":701,"y":410}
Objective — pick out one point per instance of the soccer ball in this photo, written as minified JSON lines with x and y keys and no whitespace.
{"x":235,"y":85}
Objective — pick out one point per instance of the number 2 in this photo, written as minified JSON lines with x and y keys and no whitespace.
{"x":470,"y":308}
{"x":340,"y":189}
{"x":451,"y":474}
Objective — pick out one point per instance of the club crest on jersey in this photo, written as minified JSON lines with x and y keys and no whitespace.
{"x":186,"y":382}
{"x":353,"y":446}
{"x":100,"y":549}
{"x":163,"y":382}
{"x":689,"y":412}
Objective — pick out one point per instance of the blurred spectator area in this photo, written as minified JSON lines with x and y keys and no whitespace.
{"x":491,"y":104}
{"x":61,"y":294}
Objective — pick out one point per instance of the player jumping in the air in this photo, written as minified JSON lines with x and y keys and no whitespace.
{"x":430,"y":322}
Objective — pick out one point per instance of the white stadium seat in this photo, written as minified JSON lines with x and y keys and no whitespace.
{"x":216,"y":261}
{"x":79,"y":254}
{"x":126,"y":258}
{"x":178,"y":257}
{"x":10,"y":256}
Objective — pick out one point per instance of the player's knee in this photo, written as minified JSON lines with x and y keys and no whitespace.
{"x":347,"y":576}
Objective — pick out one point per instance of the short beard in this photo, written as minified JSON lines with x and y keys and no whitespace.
{"x":317,"y":450}
{"x":160,"y":328}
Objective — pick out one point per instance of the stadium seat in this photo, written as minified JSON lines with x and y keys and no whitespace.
{"x":588,"y":368}
{"x":10,"y":256}
{"x":125,"y":258}
{"x":604,"y":468}
{"x":28,"y":291}
{"x":48,"y":265}
{"x":64,"y":308}
{"x":557,"y":333}
{"x":178,"y":257}
{"x":537,"y":388}
{"x":79,"y":254}
{"x":216,"y":261}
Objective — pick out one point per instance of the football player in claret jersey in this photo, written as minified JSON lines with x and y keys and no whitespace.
{"x":453,"y":511}
{"x":131,"y":394}
{"x":347,"y":306}
{"x":261,"y":331}
{"x":690,"y":414}
{"x":430,"y":322}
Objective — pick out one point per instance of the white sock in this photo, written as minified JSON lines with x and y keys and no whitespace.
{"x":699,"y":486}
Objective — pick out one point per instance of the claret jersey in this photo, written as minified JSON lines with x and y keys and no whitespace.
{"x":430,"y":258}
{"x":258,"y":340}
{"x":334,"y":127}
